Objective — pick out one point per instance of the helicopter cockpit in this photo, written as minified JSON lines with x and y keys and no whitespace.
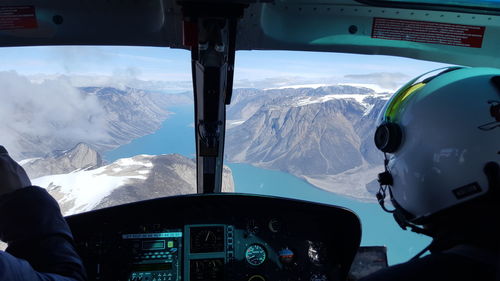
{"x":214,"y":235}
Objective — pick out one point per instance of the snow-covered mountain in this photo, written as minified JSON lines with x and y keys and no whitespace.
{"x":126,"y":180}
{"x":323,"y":134}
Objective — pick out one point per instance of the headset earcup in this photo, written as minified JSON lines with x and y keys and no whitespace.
{"x":388,"y":137}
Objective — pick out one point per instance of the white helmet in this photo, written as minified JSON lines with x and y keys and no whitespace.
{"x":438,"y":132}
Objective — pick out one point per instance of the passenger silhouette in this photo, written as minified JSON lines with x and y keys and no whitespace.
{"x":40,"y":243}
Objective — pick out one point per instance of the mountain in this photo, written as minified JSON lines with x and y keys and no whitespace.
{"x":245,"y":102}
{"x":323,"y":135}
{"x":126,"y":180}
{"x":103,"y":117}
{"x":80,"y":157}
{"x":130,"y":113}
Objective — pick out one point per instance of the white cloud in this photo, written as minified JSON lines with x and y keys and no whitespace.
{"x":44,"y":112}
{"x":388,"y":80}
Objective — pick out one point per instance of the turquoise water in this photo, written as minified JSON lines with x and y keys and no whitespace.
{"x":177,"y":136}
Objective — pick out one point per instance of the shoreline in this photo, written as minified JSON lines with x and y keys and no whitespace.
{"x":353,"y":197}
{"x":324,"y":182}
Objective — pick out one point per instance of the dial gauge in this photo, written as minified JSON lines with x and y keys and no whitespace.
{"x":256,"y":278}
{"x":206,"y":269}
{"x":255,"y":254}
{"x":252,"y":226}
{"x":274,"y":225}
{"x":207,"y":239}
{"x":286,"y":255}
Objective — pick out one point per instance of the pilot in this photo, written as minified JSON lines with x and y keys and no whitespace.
{"x":440,"y":135}
{"x":40,"y":244}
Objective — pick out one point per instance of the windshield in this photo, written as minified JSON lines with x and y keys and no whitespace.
{"x":101,"y":126}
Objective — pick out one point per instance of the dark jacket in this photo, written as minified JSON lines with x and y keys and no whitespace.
{"x":40,"y":243}
{"x":462,"y":263}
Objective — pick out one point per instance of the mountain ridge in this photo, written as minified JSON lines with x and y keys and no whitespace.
{"x":323,"y":135}
{"x":80,"y":157}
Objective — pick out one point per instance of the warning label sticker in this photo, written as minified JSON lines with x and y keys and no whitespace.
{"x":428,"y":32}
{"x":17,"y":17}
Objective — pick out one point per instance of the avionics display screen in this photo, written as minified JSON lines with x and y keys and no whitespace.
{"x":155,"y":255}
{"x":153,"y":245}
{"x":152,"y":267}
{"x":173,"y":234}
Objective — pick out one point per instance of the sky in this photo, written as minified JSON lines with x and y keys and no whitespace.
{"x":171,"y":68}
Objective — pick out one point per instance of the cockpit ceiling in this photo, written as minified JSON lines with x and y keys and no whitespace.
{"x":452,"y":37}
{"x":416,"y":30}
{"x":474,"y":4}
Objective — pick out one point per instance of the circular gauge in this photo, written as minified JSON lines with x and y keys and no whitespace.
{"x":252,"y":226}
{"x":286,"y":255}
{"x":274,"y":225}
{"x":207,"y":239}
{"x":257,"y":278}
{"x":255,"y":254}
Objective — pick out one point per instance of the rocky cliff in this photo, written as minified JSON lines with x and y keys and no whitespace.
{"x":80,"y":157}
{"x":324,"y":135}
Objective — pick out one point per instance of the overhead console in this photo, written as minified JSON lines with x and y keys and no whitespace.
{"x":217,"y":237}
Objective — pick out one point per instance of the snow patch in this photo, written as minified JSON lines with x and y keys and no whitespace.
{"x":313,"y":86}
{"x":312,"y":100}
{"x":360,"y":98}
{"x":86,"y":188}
{"x":236,"y":123}
{"x":233,"y":123}
{"x":135,"y":162}
{"x":374,"y":87}
{"x":29,"y":160}
{"x":368,"y":109}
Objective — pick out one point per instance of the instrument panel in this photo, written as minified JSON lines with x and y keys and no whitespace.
{"x":217,"y":237}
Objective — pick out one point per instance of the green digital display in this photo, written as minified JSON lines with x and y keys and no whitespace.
{"x":153,"y":245}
